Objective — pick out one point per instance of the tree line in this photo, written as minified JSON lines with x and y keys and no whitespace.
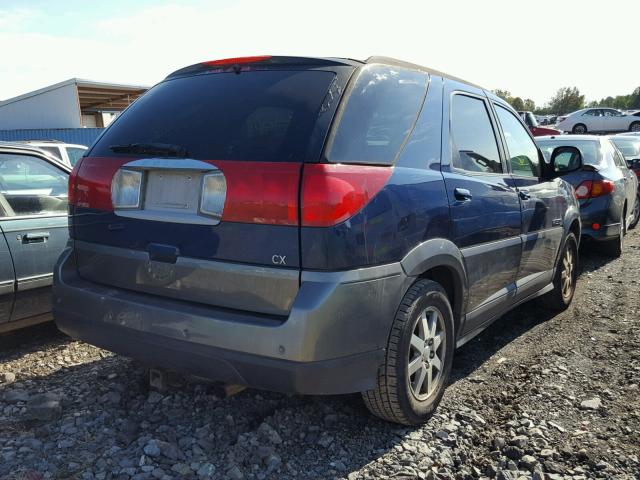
{"x":569,"y":99}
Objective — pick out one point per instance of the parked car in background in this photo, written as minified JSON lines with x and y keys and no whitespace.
{"x":598,"y":120}
{"x":69,"y":153}
{"x":606,"y":188}
{"x":629,"y":146}
{"x":229,"y":224}
{"x":34,"y":231}
{"x":530,"y":120}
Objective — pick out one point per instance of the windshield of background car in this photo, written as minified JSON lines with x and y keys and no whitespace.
{"x":381,"y":110}
{"x":590,"y":149}
{"x":265,"y":115}
{"x":630,"y":147}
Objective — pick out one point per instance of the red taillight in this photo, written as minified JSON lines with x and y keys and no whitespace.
{"x":73,"y":177}
{"x":261,"y":192}
{"x":333,"y":193}
{"x":238,"y":60}
{"x":258,"y":192}
{"x":93,"y":182}
{"x":592,"y":189}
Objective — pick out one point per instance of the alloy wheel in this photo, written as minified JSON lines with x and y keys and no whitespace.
{"x":426,"y":353}
{"x":567,"y":276}
{"x":635,"y":127}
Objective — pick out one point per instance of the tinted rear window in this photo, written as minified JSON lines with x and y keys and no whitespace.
{"x":379,"y":115}
{"x":256,"y":116}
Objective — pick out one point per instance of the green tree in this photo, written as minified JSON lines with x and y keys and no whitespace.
{"x":566,"y":100}
{"x":517,"y":104}
{"x":634,"y":102}
{"x":529,"y":105}
{"x":503,"y":94}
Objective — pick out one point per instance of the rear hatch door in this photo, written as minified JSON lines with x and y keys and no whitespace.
{"x":193,"y":193}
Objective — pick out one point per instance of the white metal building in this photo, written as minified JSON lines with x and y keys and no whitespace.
{"x":74,"y":103}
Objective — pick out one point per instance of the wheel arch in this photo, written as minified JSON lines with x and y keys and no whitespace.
{"x":440,"y":260}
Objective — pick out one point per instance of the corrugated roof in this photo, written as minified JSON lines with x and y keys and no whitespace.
{"x":93,"y":94}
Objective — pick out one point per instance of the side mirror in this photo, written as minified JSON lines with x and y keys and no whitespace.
{"x":565,"y":160}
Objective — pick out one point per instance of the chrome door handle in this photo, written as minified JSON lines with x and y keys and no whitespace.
{"x":35,"y":237}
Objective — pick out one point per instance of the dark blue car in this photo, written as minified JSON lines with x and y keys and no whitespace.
{"x":313,"y":225}
{"x":604,"y":185}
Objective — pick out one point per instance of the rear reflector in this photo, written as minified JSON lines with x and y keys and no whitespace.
{"x":592,"y":189}
{"x":332,"y":193}
{"x":237,"y":60}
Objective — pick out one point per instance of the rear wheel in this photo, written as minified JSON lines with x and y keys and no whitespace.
{"x":579,"y":128}
{"x":613,"y":248}
{"x":636,"y":212}
{"x":413,"y":377}
{"x":564,"y":282}
{"x":634,"y":127}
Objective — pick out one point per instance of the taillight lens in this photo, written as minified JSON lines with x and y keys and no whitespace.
{"x":214,"y":192}
{"x":73,"y":179}
{"x":592,"y":189}
{"x":332,"y":193}
{"x":126,"y":189}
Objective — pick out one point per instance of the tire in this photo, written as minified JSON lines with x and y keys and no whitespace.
{"x":613,"y":248}
{"x":634,"y":127}
{"x":579,"y":129}
{"x":564,"y":281}
{"x":636,"y":213}
{"x":399,"y":396}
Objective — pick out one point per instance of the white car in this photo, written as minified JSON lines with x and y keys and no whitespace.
{"x":69,"y":153}
{"x":599,"y":120}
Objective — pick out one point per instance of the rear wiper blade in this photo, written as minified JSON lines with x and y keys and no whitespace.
{"x":165,"y":149}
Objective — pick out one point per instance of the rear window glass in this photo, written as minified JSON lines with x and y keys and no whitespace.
{"x":588,"y":148}
{"x":378,"y":116}
{"x":256,"y":116}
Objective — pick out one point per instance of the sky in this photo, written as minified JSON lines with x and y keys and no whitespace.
{"x":528,"y":48}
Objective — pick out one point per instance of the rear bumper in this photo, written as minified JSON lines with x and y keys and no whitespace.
{"x":331,"y":342}
{"x":604,"y":233}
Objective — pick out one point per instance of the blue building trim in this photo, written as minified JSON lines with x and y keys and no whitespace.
{"x":80,"y":136}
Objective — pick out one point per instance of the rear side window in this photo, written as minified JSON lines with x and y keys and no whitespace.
{"x":75,"y":154}
{"x":256,"y":116}
{"x":53,"y":151}
{"x":379,"y":114}
{"x":523,"y":153}
{"x":31,"y":186}
{"x":474,"y":143}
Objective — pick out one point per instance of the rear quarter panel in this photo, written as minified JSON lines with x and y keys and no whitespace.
{"x":411,"y":208}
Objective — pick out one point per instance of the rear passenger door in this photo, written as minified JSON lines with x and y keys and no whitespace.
{"x":543,"y":205}
{"x":35,"y":226}
{"x":484,"y":206}
{"x":7,"y":278}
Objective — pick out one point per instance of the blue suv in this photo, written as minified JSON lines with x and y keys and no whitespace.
{"x":313,"y":225}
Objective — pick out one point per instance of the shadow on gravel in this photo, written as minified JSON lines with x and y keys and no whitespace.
{"x":515,"y":323}
{"x":15,"y":344}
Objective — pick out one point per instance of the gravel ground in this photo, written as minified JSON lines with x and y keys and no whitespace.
{"x":535,"y":396}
